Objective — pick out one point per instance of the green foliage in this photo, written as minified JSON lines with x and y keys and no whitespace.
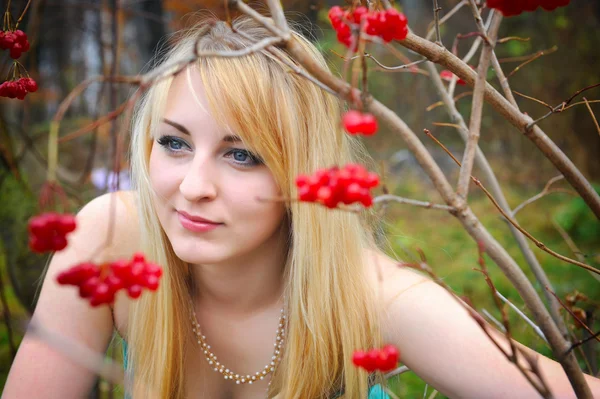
{"x":578,"y":220}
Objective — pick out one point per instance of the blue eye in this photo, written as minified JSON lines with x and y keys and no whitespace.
{"x":172,"y":144}
{"x":244,"y":157}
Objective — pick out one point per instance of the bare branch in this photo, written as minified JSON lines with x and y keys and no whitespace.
{"x":398,"y":371}
{"x":430,"y":29}
{"x":523,"y":316}
{"x":528,"y":56}
{"x":592,"y":113}
{"x":423,"y":204}
{"x":585,"y":326}
{"x":538,"y":243}
{"x":516,"y":38}
{"x":543,"y":193}
{"x":478,"y":93}
{"x":535,"y":57}
{"x":493,"y":319}
{"x":491,"y":179}
{"x":278,"y":30}
{"x":436,"y":16}
{"x":514,"y":116}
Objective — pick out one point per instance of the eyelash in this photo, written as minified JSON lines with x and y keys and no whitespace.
{"x":166,"y":141}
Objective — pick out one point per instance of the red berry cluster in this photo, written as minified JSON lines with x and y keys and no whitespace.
{"x":356,"y":122}
{"x":508,"y":8}
{"x":333,"y":186}
{"x":384,"y":359}
{"x":15,"y":41}
{"x":448,"y":75}
{"x":389,"y":24}
{"x":100,"y":283}
{"x":18,"y":88}
{"x":48,"y":232}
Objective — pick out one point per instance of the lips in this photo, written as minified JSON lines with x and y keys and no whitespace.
{"x":196,"y":218}
{"x":196,"y":224}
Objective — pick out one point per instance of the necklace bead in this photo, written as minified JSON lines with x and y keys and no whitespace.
{"x":227,"y":374}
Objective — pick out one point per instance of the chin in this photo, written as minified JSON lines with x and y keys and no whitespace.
{"x":197,"y":254}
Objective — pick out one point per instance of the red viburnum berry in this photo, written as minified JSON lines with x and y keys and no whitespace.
{"x":551,"y":5}
{"x":30,"y":84}
{"x":100,"y":283}
{"x":515,"y":7}
{"x":448,"y":75}
{"x":48,"y":232}
{"x":16,"y":42}
{"x":333,"y":186}
{"x":389,"y":24}
{"x":18,"y":88}
{"x":384,"y":359}
{"x":356,"y":122}
{"x":7,"y":39}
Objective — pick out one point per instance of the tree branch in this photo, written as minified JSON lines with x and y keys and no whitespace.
{"x":515,"y":117}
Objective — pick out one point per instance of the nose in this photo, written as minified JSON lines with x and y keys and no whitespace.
{"x":199,"y":182}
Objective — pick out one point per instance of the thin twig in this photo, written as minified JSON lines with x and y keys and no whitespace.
{"x":431,"y":30}
{"x":535,"y":99}
{"x":394,"y":68}
{"x":522,"y":58}
{"x":583,"y":341}
{"x":436,"y":16}
{"x":558,"y":109}
{"x":515,"y":351}
{"x":423,"y":204}
{"x":592,"y":113}
{"x":575,"y":316}
{"x":538,"y":243}
{"x":535,"y":57}
{"x":493,"y":319}
{"x":523,"y":316}
{"x":509,"y":38}
{"x":398,"y":371}
{"x":543,"y":193}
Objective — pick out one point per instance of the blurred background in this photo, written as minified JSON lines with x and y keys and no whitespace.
{"x":72,"y":40}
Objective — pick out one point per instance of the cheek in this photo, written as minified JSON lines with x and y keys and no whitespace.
{"x":163,"y":176}
{"x":244,"y":194}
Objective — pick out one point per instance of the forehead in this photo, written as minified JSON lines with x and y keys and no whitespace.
{"x":187,"y":104}
{"x":186,"y":97}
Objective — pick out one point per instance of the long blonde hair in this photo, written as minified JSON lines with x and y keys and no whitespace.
{"x":294,"y":126}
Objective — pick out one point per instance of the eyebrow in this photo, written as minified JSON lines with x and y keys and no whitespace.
{"x":230,"y":138}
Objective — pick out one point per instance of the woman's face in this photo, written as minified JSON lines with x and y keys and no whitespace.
{"x":206,"y":184}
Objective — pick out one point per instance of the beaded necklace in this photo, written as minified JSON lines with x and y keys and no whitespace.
{"x":227,"y":373}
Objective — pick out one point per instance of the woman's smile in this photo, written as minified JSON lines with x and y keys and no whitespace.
{"x":195,"y":223}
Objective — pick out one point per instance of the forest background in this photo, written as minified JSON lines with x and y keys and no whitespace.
{"x":74,"y":40}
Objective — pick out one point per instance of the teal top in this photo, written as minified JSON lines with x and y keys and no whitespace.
{"x":376,"y":391}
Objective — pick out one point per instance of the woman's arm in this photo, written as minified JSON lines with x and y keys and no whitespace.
{"x":443,"y":344}
{"x":38,"y":369}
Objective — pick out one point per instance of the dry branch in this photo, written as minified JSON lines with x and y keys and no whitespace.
{"x":521,"y":121}
{"x":477,"y":105}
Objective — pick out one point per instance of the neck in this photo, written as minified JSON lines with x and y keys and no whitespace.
{"x":243,"y":285}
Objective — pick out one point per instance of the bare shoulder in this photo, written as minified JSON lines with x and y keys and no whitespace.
{"x":389,"y":278}
{"x":113,"y":215}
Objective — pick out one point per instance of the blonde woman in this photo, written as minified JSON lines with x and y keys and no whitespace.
{"x":281,"y":292}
